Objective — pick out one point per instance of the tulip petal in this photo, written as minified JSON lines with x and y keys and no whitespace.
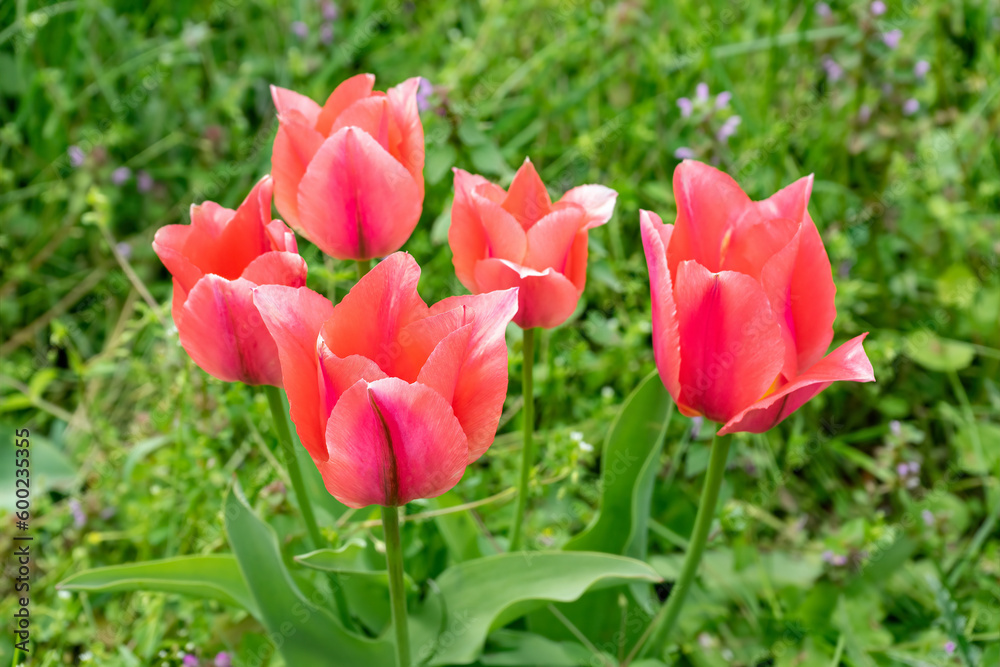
{"x":666,"y":336}
{"x":371,"y":114}
{"x":286,"y":101}
{"x":480,"y":228}
{"x":337,"y":375}
{"x":168,"y":244}
{"x":545,"y":298}
{"x":469,"y":367}
{"x":597,"y":200}
{"x":410,"y":149}
{"x":709,"y":204}
{"x":576,"y":262}
{"x":294,"y":147}
{"x":282,"y":238}
{"x":527,"y":199}
{"x":355,"y":200}
{"x":294,"y":318}
{"x":391,"y":442}
{"x":550,"y":239}
{"x":730,"y":340}
{"x":847,"y":363}
{"x":277,"y":268}
{"x":369,"y":319}
{"x":347,"y":93}
{"x":790,"y":202}
{"x":224,"y":334}
{"x":812,"y":297}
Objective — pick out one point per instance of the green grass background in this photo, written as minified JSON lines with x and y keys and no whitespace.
{"x":134,"y":447}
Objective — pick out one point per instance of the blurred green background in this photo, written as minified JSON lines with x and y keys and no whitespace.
{"x":116,"y":116}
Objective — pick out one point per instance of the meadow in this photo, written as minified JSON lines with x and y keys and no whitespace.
{"x":861,"y":531}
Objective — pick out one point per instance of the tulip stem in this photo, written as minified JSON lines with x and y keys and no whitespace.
{"x":527,"y":451}
{"x":280,"y":418}
{"x":659,"y":629}
{"x":364,"y":266}
{"x":397,"y":593}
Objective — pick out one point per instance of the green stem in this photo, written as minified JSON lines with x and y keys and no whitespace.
{"x":364,"y":266}
{"x":659,"y":629}
{"x":527,"y":451}
{"x":394,"y":563}
{"x":280,"y":418}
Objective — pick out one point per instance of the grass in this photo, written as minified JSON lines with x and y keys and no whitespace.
{"x":135,"y":446}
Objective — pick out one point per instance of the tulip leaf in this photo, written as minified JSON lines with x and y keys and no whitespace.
{"x":487,"y":593}
{"x":629,"y":462}
{"x":216,"y":577}
{"x":938,"y":354}
{"x":305,"y":633}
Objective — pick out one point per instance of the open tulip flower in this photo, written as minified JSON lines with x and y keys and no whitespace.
{"x":392,"y":398}
{"x":349,"y":175}
{"x":216,"y":262}
{"x":520,"y":238}
{"x":743,"y":302}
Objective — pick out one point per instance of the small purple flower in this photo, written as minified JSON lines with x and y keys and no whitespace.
{"x":685,"y":106}
{"x":330,"y":11}
{"x":300,"y":29}
{"x":121,"y":175}
{"x":914,"y":467}
{"x":190,"y":660}
{"x":864,"y":114}
{"x":902,"y":470}
{"x":892,"y":38}
{"x":124,"y":249}
{"x":701,"y":92}
{"x":722,"y":99}
{"x":76,"y":156}
{"x":840,"y":560}
{"x":107,"y":513}
{"x":79,"y":516}
{"x":911,"y":106}
{"x":728,"y":128}
{"x":949,"y":647}
{"x":827,"y":556}
{"x":223,"y":660}
{"x":424,"y":92}
{"x":878,"y":8}
{"x":833,"y":70}
{"x":326,"y":33}
{"x":696,"y":422}
{"x":823,"y":9}
{"x":921,"y":68}
{"x":143,"y":181}
{"x":895,"y":427}
{"x":928,"y":517}
{"x":684,"y":153}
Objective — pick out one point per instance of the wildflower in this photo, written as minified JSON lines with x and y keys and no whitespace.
{"x":143,"y":181}
{"x":728,"y":128}
{"x":326,"y":33}
{"x":190,"y":660}
{"x":79,"y":516}
{"x":949,"y":647}
{"x":895,"y":428}
{"x":124,"y":249}
{"x":686,"y":106}
{"x":823,"y":9}
{"x":424,"y":92}
{"x":330,"y":11}
{"x":684,"y":153}
{"x":223,"y":660}
{"x":722,"y":99}
{"x":300,"y":29}
{"x":921,"y":68}
{"x":928,"y":517}
{"x":911,"y":106}
{"x":834,"y":71}
{"x":696,"y":423}
{"x":121,"y":175}
{"x":892,"y":38}
{"x":864,"y":113}
{"x":76,"y":156}
{"x":878,"y":8}
{"x":701,"y":92}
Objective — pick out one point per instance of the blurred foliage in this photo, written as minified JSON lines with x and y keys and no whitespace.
{"x":862,"y":531}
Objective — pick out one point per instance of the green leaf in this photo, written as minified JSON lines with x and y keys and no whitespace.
{"x":458,"y":529}
{"x":516,"y":649}
{"x":938,"y":354}
{"x":304,"y":632}
{"x":488,"y":593}
{"x":215,"y":577}
{"x":50,"y":467}
{"x":629,"y":463}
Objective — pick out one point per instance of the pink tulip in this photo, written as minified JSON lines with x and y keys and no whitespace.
{"x":743,"y":302}
{"x":349,"y":175}
{"x":519,"y":238}
{"x":216,"y":262}
{"x":392,"y":398}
